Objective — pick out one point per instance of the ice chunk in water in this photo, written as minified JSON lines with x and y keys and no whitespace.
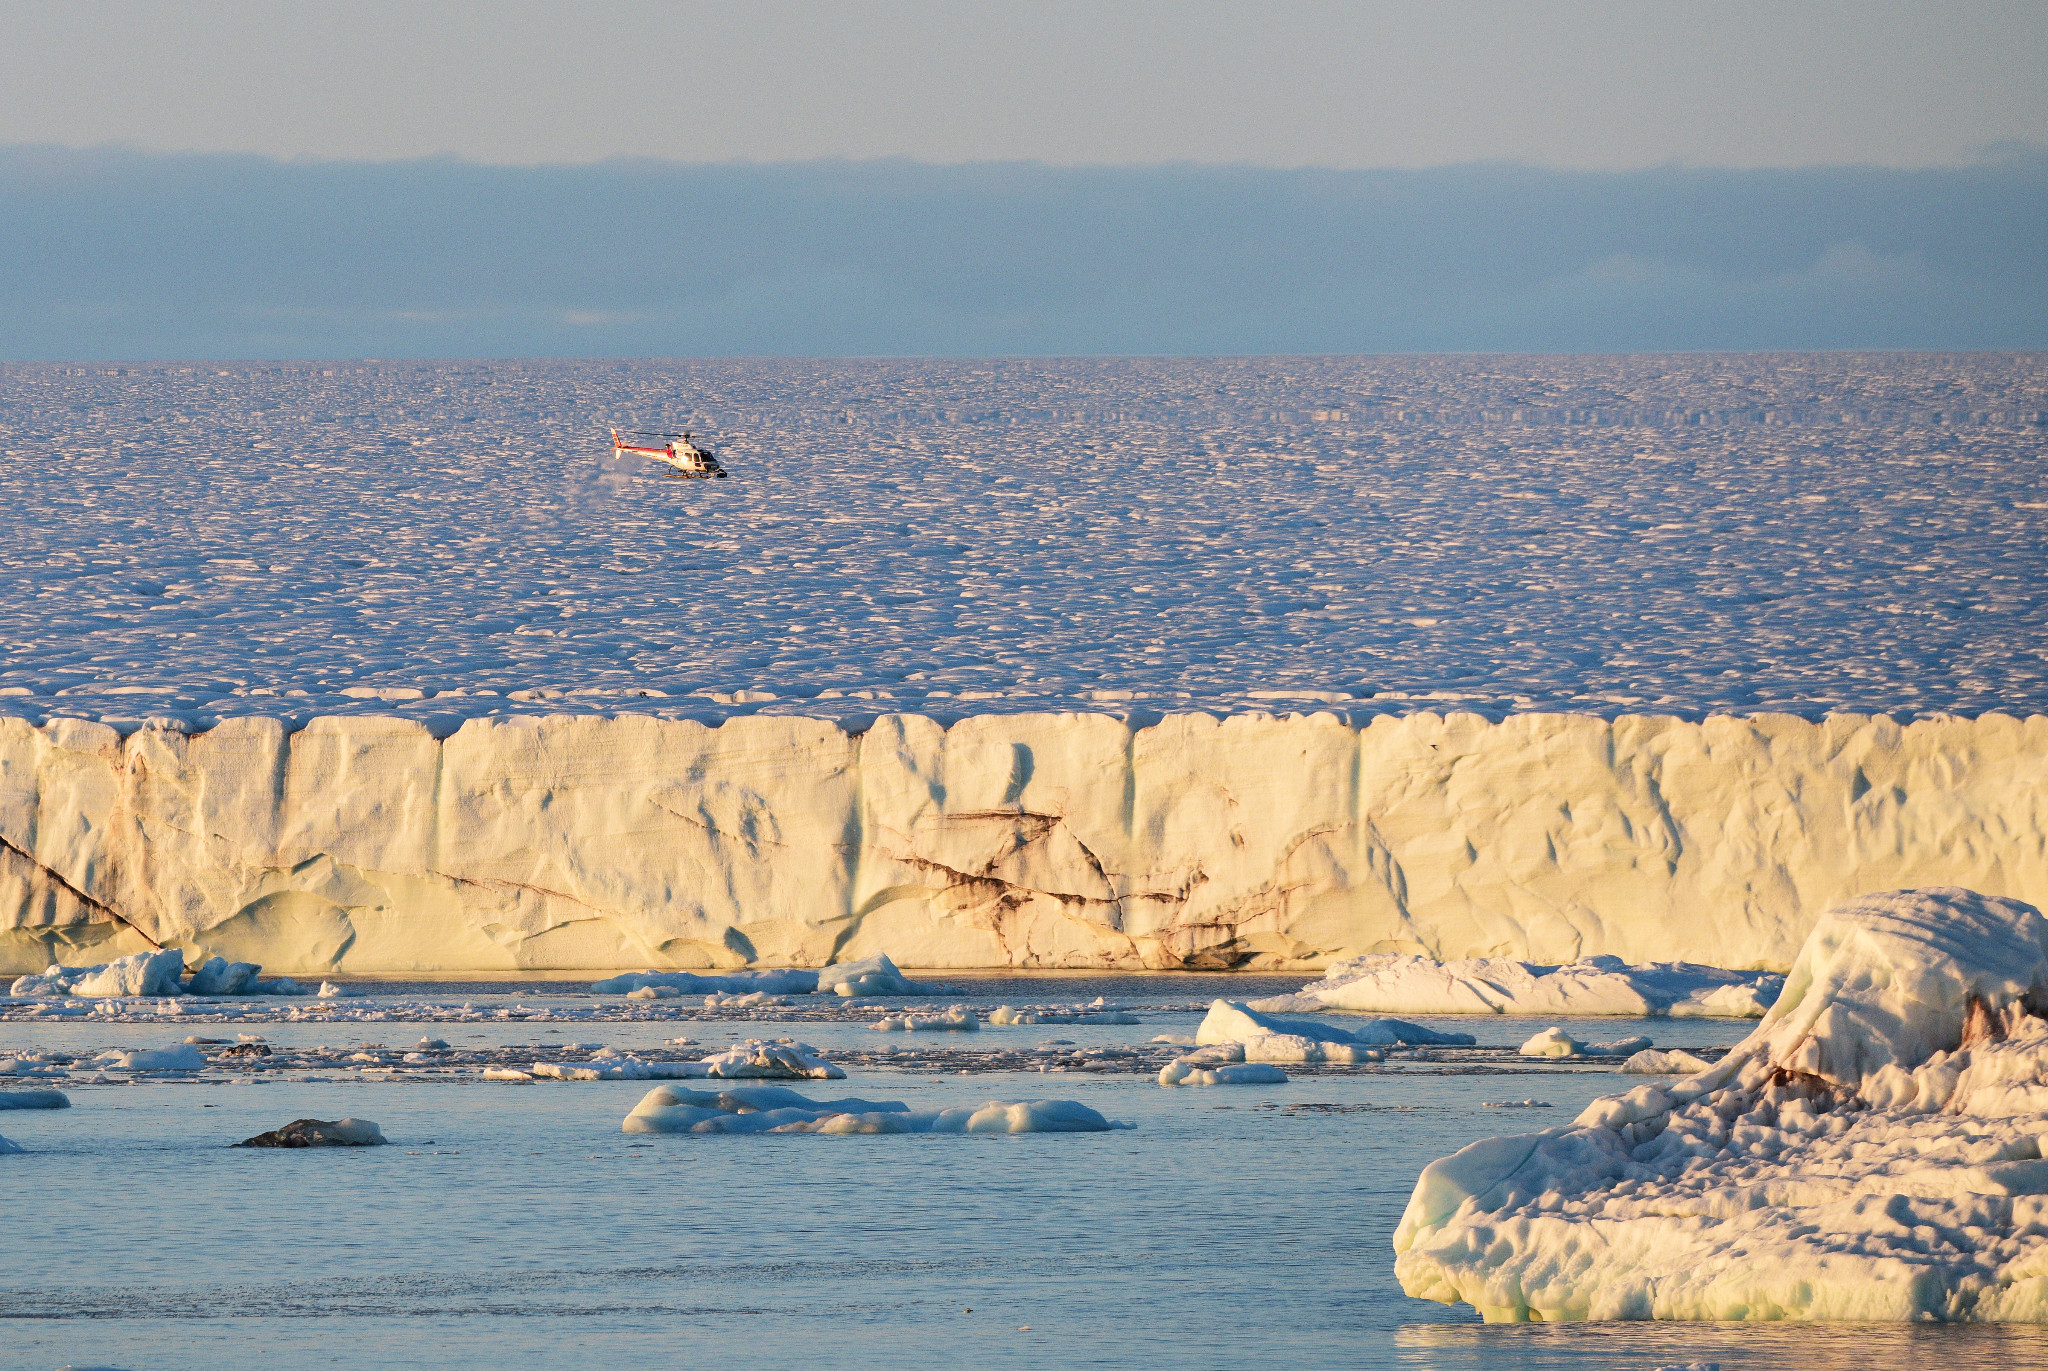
{"x":1872,"y":1150}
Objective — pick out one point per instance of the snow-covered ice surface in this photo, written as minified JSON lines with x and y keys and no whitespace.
{"x":1629,"y":534}
{"x":1874,"y":1150}
{"x":1396,"y":983}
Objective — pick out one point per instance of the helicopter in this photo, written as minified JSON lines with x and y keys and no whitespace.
{"x":689,"y":460}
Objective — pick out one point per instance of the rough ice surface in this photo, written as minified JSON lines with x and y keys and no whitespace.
{"x":1621,"y":534}
{"x":1393,"y":983}
{"x":773,"y":1109}
{"x":1873,"y":1150}
{"x":382,"y":667}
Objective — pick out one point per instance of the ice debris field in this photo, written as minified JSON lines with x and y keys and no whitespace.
{"x":1799,"y":533}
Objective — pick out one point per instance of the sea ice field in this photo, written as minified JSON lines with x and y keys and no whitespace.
{"x":514,"y":1221}
{"x":1680,"y":535}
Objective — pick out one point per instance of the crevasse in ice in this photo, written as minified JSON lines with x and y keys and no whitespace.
{"x":1873,"y":1150}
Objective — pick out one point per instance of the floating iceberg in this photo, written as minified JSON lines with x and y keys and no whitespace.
{"x":1192,"y":1070}
{"x":183,"y":1057}
{"x":875,"y":975}
{"x":773,"y":1109}
{"x":1395,"y":983}
{"x":7,"y":1147}
{"x":1231,"y":1022}
{"x":34,"y":1099}
{"x":1555,"y":1042}
{"x":1873,"y":1150}
{"x":153,"y":974}
{"x":955,"y":1019}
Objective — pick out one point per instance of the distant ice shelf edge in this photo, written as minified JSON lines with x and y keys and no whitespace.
{"x":367,"y":843}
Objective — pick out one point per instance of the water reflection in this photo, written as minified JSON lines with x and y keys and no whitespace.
{"x":1731,"y":1346}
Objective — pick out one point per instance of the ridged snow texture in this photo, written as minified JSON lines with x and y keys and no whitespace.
{"x":1874,"y":1150}
{"x":367,"y":844}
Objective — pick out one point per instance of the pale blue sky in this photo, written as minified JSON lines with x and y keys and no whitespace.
{"x":1576,"y":84}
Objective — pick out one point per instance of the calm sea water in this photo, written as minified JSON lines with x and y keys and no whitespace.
{"x":515,"y":1225}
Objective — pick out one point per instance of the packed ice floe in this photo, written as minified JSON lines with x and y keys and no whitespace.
{"x":953,"y":1019}
{"x":875,"y":975}
{"x":156,"y":974}
{"x":1098,"y":1011}
{"x":753,"y":1059}
{"x":1396,"y":983}
{"x":774,"y":1109}
{"x":1873,"y":1150}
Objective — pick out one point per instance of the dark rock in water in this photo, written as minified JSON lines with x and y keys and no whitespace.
{"x":246,"y":1050}
{"x":320,"y":1133}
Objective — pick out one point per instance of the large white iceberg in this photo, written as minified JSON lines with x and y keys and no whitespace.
{"x":1395,"y":983}
{"x":1873,"y":1150}
{"x":773,"y":1109}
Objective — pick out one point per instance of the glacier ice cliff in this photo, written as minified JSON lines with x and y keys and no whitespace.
{"x":369,"y":844}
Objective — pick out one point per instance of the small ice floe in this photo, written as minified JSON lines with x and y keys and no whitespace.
{"x":34,"y":1099}
{"x":1195,"y":1070}
{"x":1099,"y":1011}
{"x":320,"y":1133}
{"x":1873,"y":1150}
{"x":784,"y":1060}
{"x":774,"y":1109}
{"x":31,"y":1064}
{"x":755,"y":999}
{"x":1269,"y":1037}
{"x":875,"y":975}
{"x":954,"y":1019}
{"x":1399,"y":983}
{"x":1669,"y":1062}
{"x":183,"y":1057}
{"x":332,"y":990}
{"x":1555,"y":1042}
{"x":1517,"y":1104}
{"x":7,"y":1147}
{"x":1175,"y":1039}
{"x":658,"y":992}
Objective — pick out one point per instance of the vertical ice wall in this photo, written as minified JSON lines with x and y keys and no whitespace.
{"x":1036,"y":840}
